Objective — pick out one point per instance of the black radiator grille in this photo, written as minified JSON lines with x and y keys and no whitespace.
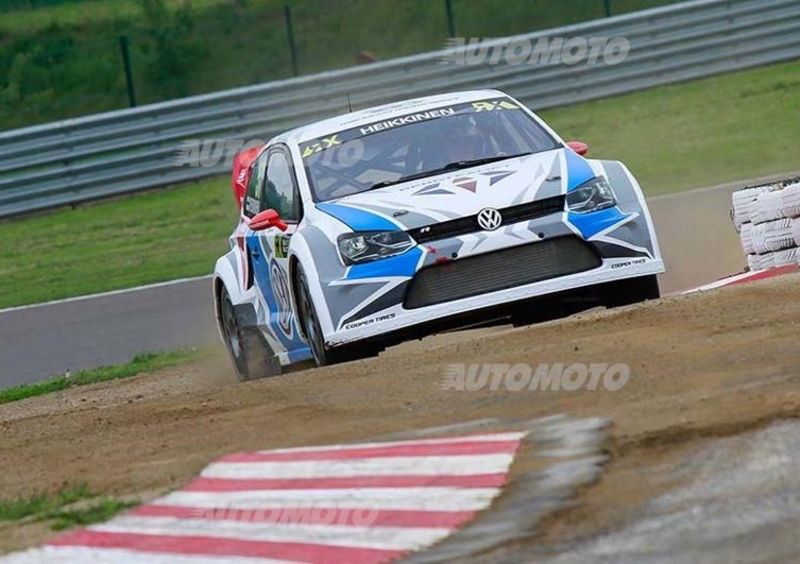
{"x":499,"y":270}
{"x":469,"y":224}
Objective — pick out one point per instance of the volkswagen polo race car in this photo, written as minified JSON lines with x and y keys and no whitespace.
{"x":390,"y":223}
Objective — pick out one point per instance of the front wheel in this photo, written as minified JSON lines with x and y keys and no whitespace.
{"x":312,"y":330}
{"x":252,"y":357}
{"x":632,"y":291}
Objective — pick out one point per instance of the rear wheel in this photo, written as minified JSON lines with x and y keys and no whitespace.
{"x":251,"y":355}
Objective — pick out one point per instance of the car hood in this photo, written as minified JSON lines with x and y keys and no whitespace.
{"x":462,"y":193}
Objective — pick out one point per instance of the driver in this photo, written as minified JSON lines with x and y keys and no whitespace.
{"x":460,"y":140}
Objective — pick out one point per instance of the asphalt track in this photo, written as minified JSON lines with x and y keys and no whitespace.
{"x":40,"y":341}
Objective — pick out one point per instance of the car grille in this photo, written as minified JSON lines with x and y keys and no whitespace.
{"x":499,"y":270}
{"x":469,"y":224}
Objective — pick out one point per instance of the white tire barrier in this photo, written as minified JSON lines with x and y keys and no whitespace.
{"x":786,"y":257}
{"x":790,"y":200}
{"x":746,"y":235}
{"x":743,"y":203}
{"x":777,"y":236}
{"x":796,"y":231}
{"x":760,"y":262}
{"x":766,"y":261}
{"x":767,"y":218}
{"x":768,"y":207}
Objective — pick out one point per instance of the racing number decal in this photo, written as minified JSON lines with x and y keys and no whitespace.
{"x":280,"y":289}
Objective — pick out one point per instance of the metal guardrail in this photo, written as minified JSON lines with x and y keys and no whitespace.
{"x":102,"y":155}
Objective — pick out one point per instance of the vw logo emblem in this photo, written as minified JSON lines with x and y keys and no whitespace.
{"x":489,"y":219}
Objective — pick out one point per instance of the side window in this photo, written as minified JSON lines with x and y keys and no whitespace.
{"x":252,"y":202}
{"x":279,"y":191}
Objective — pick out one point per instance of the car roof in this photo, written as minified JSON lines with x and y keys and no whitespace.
{"x":341,"y":122}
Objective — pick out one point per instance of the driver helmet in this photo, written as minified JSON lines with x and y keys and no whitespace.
{"x":460,"y":139}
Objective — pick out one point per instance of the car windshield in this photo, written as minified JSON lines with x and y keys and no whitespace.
{"x":420,"y":144}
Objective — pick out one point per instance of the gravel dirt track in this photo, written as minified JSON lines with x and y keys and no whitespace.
{"x":702,"y":366}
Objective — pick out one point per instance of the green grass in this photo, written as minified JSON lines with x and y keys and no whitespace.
{"x":149,"y":237}
{"x":142,"y":363}
{"x":700,"y":133}
{"x":64,"y":60}
{"x":71,"y":506}
{"x":96,"y":512}
{"x":39,"y":503}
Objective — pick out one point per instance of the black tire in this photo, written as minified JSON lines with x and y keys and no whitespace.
{"x":633,"y":291}
{"x":251,"y":355}
{"x":310,"y":326}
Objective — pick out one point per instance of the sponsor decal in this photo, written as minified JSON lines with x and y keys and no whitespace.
{"x":281,"y":247}
{"x":321,"y":145}
{"x":468,"y":183}
{"x":628,"y":263}
{"x":343,"y":138}
{"x":491,"y":105}
{"x":370,"y":321}
{"x":404,"y":120}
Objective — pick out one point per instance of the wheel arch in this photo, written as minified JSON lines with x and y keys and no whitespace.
{"x":294,"y":269}
{"x":217,"y":285}
{"x":224,"y":277}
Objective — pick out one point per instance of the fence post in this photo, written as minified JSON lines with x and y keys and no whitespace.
{"x":451,"y":26}
{"x":287,"y":14}
{"x":126,"y":62}
{"x":607,"y":5}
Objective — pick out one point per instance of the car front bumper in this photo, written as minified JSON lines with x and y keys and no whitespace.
{"x":399,"y":317}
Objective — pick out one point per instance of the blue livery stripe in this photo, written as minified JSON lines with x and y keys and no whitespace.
{"x":592,"y":223}
{"x":358,"y":219}
{"x":300,"y":354}
{"x":578,"y":170}
{"x":400,"y":265}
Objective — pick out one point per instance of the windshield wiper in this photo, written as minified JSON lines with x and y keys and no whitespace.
{"x":457,"y":165}
{"x":476,"y":162}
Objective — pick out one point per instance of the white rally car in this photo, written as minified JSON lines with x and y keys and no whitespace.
{"x":390,"y":223}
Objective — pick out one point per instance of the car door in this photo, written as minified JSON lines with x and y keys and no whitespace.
{"x":269,"y":248}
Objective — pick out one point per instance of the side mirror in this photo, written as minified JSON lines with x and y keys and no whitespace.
{"x":578,"y":147}
{"x":265,"y":220}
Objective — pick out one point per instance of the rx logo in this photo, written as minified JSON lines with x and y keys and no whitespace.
{"x":321,"y":145}
{"x":492,"y":105}
{"x":489,"y":219}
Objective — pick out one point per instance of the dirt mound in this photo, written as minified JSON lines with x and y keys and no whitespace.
{"x":700,"y":365}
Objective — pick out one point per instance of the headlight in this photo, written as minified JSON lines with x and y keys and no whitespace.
{"x":364,"y":246}
{"x":591,"y":196}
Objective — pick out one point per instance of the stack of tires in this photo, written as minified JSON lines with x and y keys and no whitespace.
{"x":767,"y":218}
